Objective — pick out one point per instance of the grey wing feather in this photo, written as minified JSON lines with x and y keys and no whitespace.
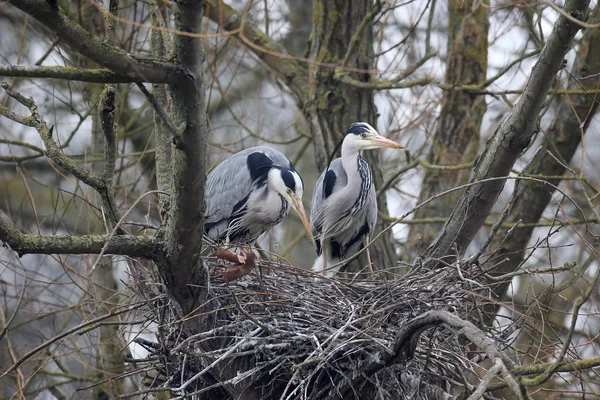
{"x":372,"y":211}
{"x":230,"y":182}
{"x":316,"y":215}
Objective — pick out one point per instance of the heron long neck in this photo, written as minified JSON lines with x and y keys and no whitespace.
{"x":350,"y":160}
{"x":359,"y":178}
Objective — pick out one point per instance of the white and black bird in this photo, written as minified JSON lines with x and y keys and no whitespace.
{"x":249,"y":193}
{"x":344,"y":202}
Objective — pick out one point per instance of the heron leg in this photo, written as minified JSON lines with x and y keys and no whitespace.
{"x":366,"y":245}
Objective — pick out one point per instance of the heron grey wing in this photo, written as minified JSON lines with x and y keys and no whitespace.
{"x":230,"y":183}
{"x":227,"y":185}
{"x":316,"y":203}
{"x":372,"y":211}
{"x":329,"y":182}
{"x":315,"y":207}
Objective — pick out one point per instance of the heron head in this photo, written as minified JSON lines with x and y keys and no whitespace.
{"x":288,"y":183}
{"x":362,"y":136}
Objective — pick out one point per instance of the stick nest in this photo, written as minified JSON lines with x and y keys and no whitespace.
{"x":283,"y":332}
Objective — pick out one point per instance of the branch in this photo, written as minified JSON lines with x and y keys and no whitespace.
{"x":287,"y":68}
{"x":509,"y":140}
{"x":126,"y":245}
{"x":565,"y":366}
{"x":163,"y":127}
{"x":184,"y":273}
{"x":53,"y":152}
{"x":486,"y":381}
{"x":106,"y":113}
{"x":98,"y":75}
{"x":132,"y":68}
{"x":408,"y":336}
{"x":561,"y":140}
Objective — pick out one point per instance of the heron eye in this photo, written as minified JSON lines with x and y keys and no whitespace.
{"x":363,"y":135}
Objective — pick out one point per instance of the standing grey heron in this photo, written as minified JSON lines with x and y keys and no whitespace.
{"x":344,"y":203}
{"x":251,"y":192}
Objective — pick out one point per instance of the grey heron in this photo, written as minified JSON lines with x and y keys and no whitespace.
{"x":251,"y":192}
{"x":344,"y":203}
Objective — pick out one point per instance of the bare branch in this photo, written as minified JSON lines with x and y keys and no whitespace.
{"x":132,"y":68}
{"x":287,"y":68}
{"x":565,"y":366}
{"x":127,"y":245}
{"x":53,"y":151}
{"x":99,"y":75}
{"x":407,"y":337}
{"x":106,"y":111}
{"x":486,"y":381}
{"x":164,"y":130}
{"x":508,"y":141}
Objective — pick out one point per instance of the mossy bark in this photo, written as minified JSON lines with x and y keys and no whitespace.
{"x":456,"y":140}
{"x":183,"y":269}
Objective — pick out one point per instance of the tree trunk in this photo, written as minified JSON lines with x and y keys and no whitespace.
{"x":456,"y":140}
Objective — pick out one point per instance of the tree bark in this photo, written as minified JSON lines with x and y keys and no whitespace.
{"x":183,"y":270}
{"x":456,"y":140}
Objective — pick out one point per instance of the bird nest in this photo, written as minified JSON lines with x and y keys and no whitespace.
{"x":283,"y":332}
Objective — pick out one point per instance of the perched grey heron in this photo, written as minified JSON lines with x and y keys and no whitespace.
{"x":251,"y":192}
{"x":344,"y":203}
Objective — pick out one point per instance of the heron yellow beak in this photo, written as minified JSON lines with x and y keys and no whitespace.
{"x":381,"y":141}
{"x":296,"y":203}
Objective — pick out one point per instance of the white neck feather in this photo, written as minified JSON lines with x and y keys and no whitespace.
{"x":350,"y":162}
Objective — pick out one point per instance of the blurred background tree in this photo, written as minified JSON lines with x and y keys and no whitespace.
{"x":436,"y":76}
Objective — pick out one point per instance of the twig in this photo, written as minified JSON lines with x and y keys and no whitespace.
{"x":159,"y":110}
{"x":14,"y":313}
{"x":224,"y":356}
{"x":68,"y":332}
{"x":487,"y":380}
